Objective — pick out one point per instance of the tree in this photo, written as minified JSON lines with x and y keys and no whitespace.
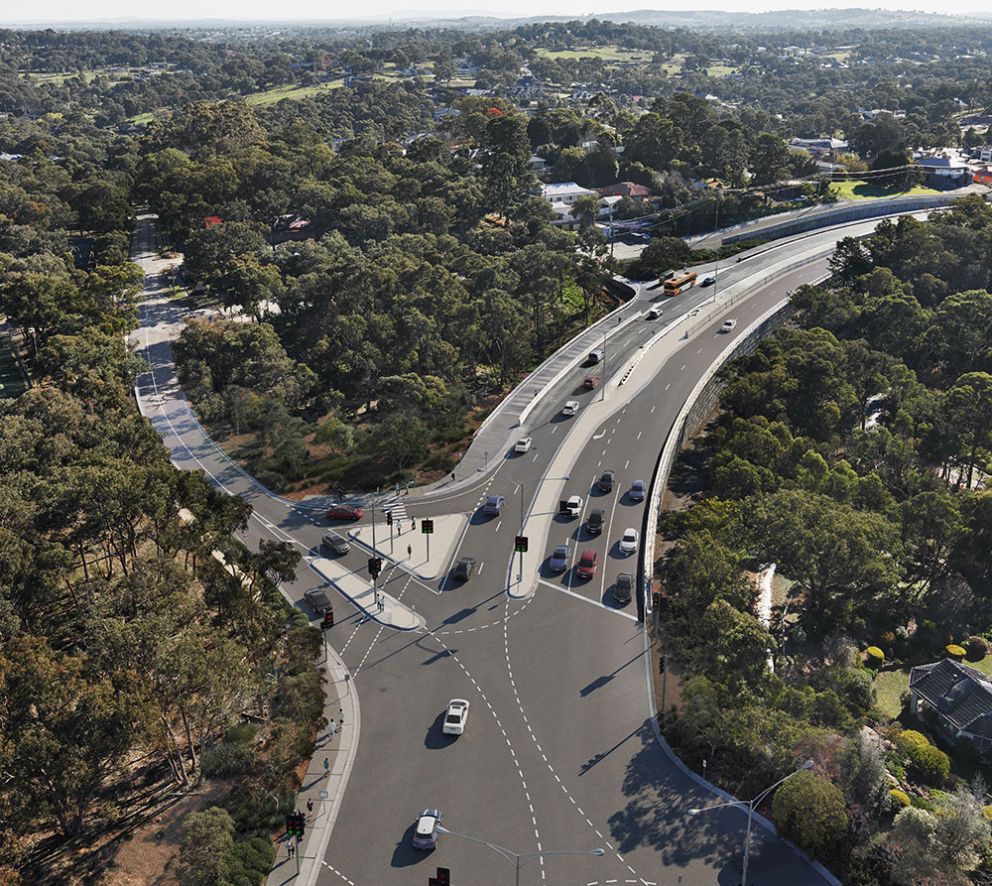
{"x":655,"y":142}
{"x":400,"y":439}
{"x":586,"y":211}
{"x":968,"y":407}
{"x":660,"y":256}
{"x":770,"y":159}
{"x":809,"y":810}
{"x":506,"y":160}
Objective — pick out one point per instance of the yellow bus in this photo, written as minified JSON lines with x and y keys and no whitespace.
{"x":674,"y":285}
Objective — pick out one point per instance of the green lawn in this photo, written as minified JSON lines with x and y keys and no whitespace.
{"x":147,"y":117}
{"x":606,"y":53}
{"x":290,"y":91}
{"x":674,"y":65}
{"x":720,"y":70}
{"x":862,"y":190}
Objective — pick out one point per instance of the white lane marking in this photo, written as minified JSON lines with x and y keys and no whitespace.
{"x":683,"y":368}
{"x":554,"y":430}
{"x":537,"y":455}
{"x":598,"y":604}
{"x":336,"y":871}
{"x":480,"y":567}
{"x":500,"y":523}
{"x":666,"y":388}
{"x":639,"y":435}
{"x":600,"y":435}
{"x":626,"y":464}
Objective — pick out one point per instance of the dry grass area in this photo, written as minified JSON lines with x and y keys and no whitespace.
{"x":149,"y":856}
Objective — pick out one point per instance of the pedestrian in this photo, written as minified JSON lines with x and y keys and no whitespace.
{"x":409,"y":551}
{"x":292,"y":848}
{"x":413,"y":523}
{"x":399,"y":526}
{"x":327,"y":764}
{"x":452,"y":476}
{"x":382,"y":602}
{"x":309,"y":807}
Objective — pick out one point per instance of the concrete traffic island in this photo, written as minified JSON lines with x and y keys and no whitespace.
{"x":356,"y":587}
{"x":408,"y":545}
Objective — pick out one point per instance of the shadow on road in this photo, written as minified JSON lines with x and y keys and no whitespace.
{"x":404,"y":855}
{"x":436,"y":739}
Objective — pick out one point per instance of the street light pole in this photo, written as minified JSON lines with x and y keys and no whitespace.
{"x":520,"y":574}
{"x":517,"y":860}
{"x":603,"y":383}
{"x":751,"y":806}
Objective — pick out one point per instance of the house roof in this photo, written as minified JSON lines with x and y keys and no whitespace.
{"x":558,"y":190}
{"x":942,"y":163}
{"x":961,"y":695}
{"x":625,"y":189}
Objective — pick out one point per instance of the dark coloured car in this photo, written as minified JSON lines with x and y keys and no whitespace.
{"x":587,"y":564}
{"x":493,"y":505}
{"x":637,"y":490}
{"x":318,"y":601}
{"x":594,"y":524}
{"x":623,"y":589}
{"x":345,"y":512}
{"x":334,"y":545}
{"x":463,"y":569}
{"x":707,"y":281}
{"x":606,"y":481}
{"x":559,"y":559}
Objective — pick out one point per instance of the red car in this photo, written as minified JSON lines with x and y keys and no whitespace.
{"x":345,"y":512}
{"x":587,"y":564}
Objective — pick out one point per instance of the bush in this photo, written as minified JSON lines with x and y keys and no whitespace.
{"x":249,"y":861}
{"x":910,"y":741}
{"x":875,"y":656}
{"x":887,"y":639}
{"x":978,"y":648}
{"x":954,"y":651}
{"x":900,"y":799}
{"x":932,"y":765}
{"x":809,"y":810}
{"x":228,"y":760}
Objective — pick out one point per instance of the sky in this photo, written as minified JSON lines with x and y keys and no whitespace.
{"x":54,"y":11}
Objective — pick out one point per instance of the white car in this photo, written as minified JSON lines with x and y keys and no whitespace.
{"x":628,"y":544}
{"x":570,"y":408}
{"x":571,"y":507}
{"x":456,"y":717}
{"x":653,"y":314}
{"x":522,"y":445}
{"x":425,"y":835}
{"x":728,"y":326}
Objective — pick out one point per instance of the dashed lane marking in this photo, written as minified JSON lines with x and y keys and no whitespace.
{"x":337,"y":872}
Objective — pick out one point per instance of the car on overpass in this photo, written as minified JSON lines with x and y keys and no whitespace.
{"x":628,"y":543}
{"x":570,"y":507}
{"x":708,"y":281}
{"x":623,"y":589}
{"x":570,"y":407}
{"x":728,"y":326}
{"x":587,"y":564}
{"x":594,"y":525}
{"x":606,"y":481}
{"x":653,"y":314}
{"x":522,"y":445}
{"x":558,"y":561}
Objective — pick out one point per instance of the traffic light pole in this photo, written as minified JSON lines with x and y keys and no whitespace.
{"x":375,"y":578}
{"x":520,"y":574}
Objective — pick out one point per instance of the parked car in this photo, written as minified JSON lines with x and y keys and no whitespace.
{"x":623,"y":589}
{"x":595,"y":356}
{"x":493,"y":505}
{"x":334,"y":545}
{"x":425,"y":834}
{"x":522,"y":445}
{"x":707,"y":281}
{"x":558,"y":561}
{"x":345,"y":512}
{"x":637,"y":490}
{"x":318,"y":601}
{"x":570,"y":408}
{"x":463,"y":569}
{"x":587,"y":564}
{"x":456,"y":717}
{"x":606,"y":481}
{"x":570,"y":507}
{"x":628,"y":543}
{"x":728,"y":326}
{"x":591,"y":381}
{"x":653,"y":314}
{"x":594,"y":525}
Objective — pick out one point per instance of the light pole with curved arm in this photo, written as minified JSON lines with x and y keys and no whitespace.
{"x":520,"y":860}
{"x":751,"y":805}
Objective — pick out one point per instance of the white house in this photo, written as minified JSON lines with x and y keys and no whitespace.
{"x":565,"y":192}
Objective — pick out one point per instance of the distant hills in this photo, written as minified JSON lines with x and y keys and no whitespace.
{"x":783,"y":20}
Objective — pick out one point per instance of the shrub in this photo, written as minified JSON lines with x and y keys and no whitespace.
{"x":909,"y":741}
{"x":954,"y":651}
{"x":810,"y":811}
{"x":886,"y":639}
{"x":977,"y":647}
{"x":932,"y":765}
{"x":228,"y":760}
{"x":900,"y":799}
{"x":249,"y":860}
{"x":987,"y":812}
{"x":875,"y":656}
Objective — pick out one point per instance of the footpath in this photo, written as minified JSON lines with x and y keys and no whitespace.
{"x":324,"y":781}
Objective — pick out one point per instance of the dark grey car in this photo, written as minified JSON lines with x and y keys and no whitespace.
{"x":594,"y":525}
{"x":318,"y":600}
{"x":623,"y":589}
{"x":463,"y":569}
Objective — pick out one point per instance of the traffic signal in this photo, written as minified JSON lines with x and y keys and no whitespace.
{"x":328,"y":621}
{"x":443,"y":877}
{"x":520,"y":544}
{"x":296,"y":824}
{"x":375,"y":566}
{"x":427,"y":527}
{"x":389,"y":518}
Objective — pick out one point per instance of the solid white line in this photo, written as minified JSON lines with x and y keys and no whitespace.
{"x":500,"y":523}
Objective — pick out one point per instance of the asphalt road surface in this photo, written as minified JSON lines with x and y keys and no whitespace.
{"x":559,"y":751}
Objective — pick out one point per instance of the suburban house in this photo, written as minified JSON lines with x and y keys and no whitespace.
{"x":945,"y":172}
{"x":819,"y":147}
{"x":982,"y":176}
{"x":290,"y":227}
{"x":957,"y":698}
{"x":538,"y":165}
{"x":565,"y":192}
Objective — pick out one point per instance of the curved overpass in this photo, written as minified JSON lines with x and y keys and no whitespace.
{"x":560,"y":750}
